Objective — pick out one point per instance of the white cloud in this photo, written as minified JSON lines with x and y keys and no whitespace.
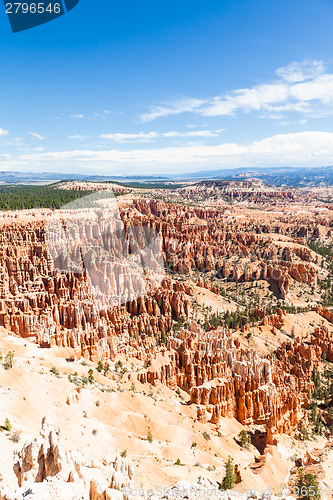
{"x":300,"y":71}
{"x":301,"y":87}
{"x":92,"y":116}
{"x":140,"y":137}
{"x":194,"y":133}
{"x":187,"y":104}
{"x":37,"y":136}
{"x":3,"y":132}
{"x":296,"y":149}
{"x":151,"y":136}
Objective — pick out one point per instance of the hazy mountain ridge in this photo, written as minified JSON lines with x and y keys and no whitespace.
{"x":285,"y":176}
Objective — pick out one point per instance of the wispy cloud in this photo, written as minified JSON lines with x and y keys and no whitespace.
{"x":300,"y":87}
{"x":187,"y":104}
{"x":310,"y":148}
{"x":140,"y":137}
{"x":78,"y":136}
{"x":151,"y":136}
{"x":194,"y":133}
{"x":37,"y":136}
{"x":92,"y":116}
{"x":79,"y":116}
{"x":300,"y":71}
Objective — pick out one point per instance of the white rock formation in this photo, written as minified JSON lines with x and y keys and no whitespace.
{"x":46,"y":471}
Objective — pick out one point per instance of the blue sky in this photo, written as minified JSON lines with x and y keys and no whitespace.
{"x":163,"y":86}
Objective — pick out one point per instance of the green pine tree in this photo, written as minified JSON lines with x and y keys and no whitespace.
{"x":230,"y":477}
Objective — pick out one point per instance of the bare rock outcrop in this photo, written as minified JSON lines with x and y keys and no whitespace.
{"x":275,"y":320}
{"x":324,"y":341}
{"x":46,"y":470}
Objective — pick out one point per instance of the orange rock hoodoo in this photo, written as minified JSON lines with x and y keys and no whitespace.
{"x":60,"y":309}
{"x":233,"y":382}
{"x":202,"y":240}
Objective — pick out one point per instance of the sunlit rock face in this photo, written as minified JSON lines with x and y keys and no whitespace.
{"x":225,"y":380}
{"x":45,"y":469}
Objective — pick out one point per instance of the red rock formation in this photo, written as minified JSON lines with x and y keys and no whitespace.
{"x":275,"y":320}
{"x":234,"y":254}
{"x":325,"y":313}
{"x":322,"y":339}
{"x":233,"y":382}
{"x":59,"y":308}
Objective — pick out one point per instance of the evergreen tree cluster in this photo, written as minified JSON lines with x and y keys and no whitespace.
{"x":29,"y":197}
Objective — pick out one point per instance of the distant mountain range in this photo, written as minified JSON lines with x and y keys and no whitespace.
{"x":279,"y":176}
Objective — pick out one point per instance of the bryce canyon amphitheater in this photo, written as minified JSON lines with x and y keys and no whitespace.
{"x":223,"y":329}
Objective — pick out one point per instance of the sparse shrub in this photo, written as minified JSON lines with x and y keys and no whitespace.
{"x":149,"y":435}
{"x":123,"y":454}
{"x":97,"y":403}
{"x":91,"y":375}
{"x":8,"y":425}
{"x":206,"y":436}
{"x":193,"y":445}
{"x":94,"y":432}
{"x":55,"y":371}
{"x":9,"y":360}
{"x":100,"y":367}
{"x":178,"y":462}
{"x":118,"y":365}
{"x":15,"y":437}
